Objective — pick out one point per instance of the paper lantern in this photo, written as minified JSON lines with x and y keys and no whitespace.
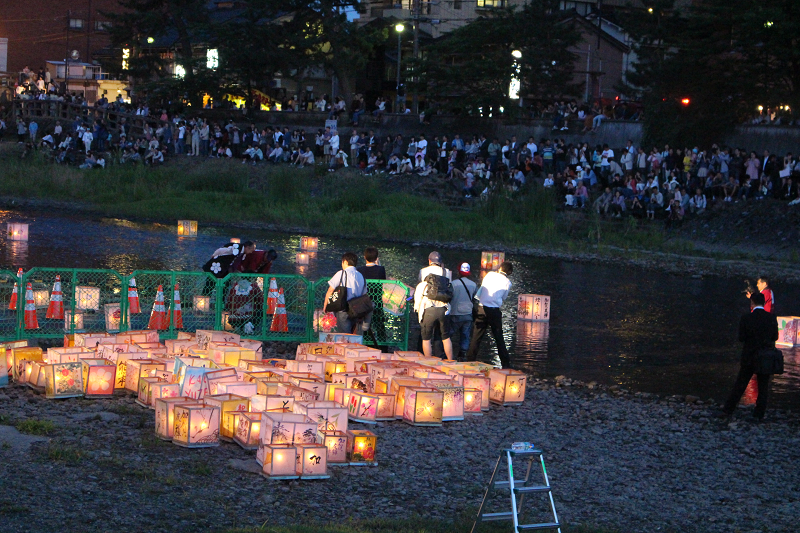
{"x":314,"y":348}
{"x":196,"y":426}
{"x":492,"y":260}
{"x":334,"y":366}
{"x":36,"y":376}
{"x":472,"y":402}
{"x":113,"y":316}
{"x":300,"y":394}
{"x":248,"y":429}
{"x":21,"y":354}
{"x":342,"y":395}
{"x":386,"y":407}
{"x":279,"y":461}
{"x":507,"y":386}
{"x":309,"y":244}
{"x":144,"y":395}
{"x":164,"y":390}
{"x":452,"y":403}
{"x":336,"y":443}
{"x":788,"y":331}
{"x":398,"y":387}
{"x":423,"y":406}
{"x":165,"y":415}
{"x":330,"y":391}
{"x":272,"y":403}
{"x":138,"y":368}
{"x":63,"y":380}
{"x":533,"y":307}
{"x":87,"y":298}
{"x":187,"y":228}
{"x":99,"y":376}
{"x":239,"y":388}
{"x":287,"y":428}
{"x":41,"y":298}
{"x":268,"y":386}
{"x":235,"y":240}
{"x":480,"y":382}
{"x":312,"y":461}
{"x":361,"y":447}
{"x":17,"y":231}
{"x":329,"y":416}
{"x":363,"y":407}
{"x":67,"y":355}
{"x":301,"y":259}
{"x":228,"y":405}
{"x":340,"y":338}
{"x":201,"y":304}
{"x":316,"y":368}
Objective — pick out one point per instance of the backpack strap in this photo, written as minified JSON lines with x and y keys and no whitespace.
{"x":471,"y":296}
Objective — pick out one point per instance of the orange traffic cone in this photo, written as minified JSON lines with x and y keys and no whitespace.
{"x":280,"y":322}
{"x":56,"y":307}
{"x":133,"y":297}
{"x":31,"y":322}
{"x":12,"y":305}
{"x":158,"y":317}
{"x":177,"y":315}
{"x":272,"y":296}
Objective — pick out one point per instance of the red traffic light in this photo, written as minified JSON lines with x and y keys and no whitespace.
{"x":685,"y":101}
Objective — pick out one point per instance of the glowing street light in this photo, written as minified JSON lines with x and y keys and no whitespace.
{"x":399,"y":28}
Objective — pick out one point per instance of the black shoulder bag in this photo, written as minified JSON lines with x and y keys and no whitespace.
{"x":337,"y":301}
{"x":769,"y":361}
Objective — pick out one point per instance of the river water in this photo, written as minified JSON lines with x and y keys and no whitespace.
{"x":616,"y":325}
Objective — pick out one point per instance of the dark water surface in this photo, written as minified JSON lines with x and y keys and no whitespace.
{"x":640,"y":329}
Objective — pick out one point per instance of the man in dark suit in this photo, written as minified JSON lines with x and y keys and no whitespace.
{"x":757,"y":329}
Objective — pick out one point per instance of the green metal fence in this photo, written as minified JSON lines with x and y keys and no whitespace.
{"x":96,"y":300}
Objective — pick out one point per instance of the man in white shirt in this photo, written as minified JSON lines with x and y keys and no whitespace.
{"x":355,"y":285}
{"x":434,"y":267}
{"x":433,"y":315}
{"x":423,"y":145}
{"x":493,"y":291}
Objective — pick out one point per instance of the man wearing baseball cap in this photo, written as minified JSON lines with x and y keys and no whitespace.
{"x":461,"y":309}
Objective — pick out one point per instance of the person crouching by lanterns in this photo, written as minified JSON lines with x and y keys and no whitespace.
{"x":252,"y":261}
{"x":490,"y":296}
{"x":245,"y":302}
{"x":763,"y":288}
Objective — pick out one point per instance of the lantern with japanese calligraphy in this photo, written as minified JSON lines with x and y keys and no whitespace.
{"x":278,"y":461}
{"x":144,"y":395}
{"x":309,"y":244}
{"x":492,"y":260}
{"x":300,"y":394}
{"x":187,"y":228}
{"x":285,"y":428}
{"x":17,"y":231}
{"x":138,"y":368}
{"x":63,"y":380}
{"x":363,"y":407}
{"x":248,"y":429}
{"x":423,"y":406}
{"x":336,"y":443}
{"x":165,"y":415}
{"x":272,"y":403}
{"x":228,"y":405}
{"x":535,"y":307}
{"x":196,"y":425}
{"x":312,"y":461}
{"x":99,"y":376}
{"x":316,"y":368}
{"x":472,"y":402}
{"x":507,"y":386}
{"x":329,"y":416}
{"x":361,"y":447}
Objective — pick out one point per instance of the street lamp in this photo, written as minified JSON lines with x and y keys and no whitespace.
{"x":516,"y":85}
{"x":399,"y":29}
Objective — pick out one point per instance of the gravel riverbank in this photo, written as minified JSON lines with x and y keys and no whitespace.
{"x":628,"y":461}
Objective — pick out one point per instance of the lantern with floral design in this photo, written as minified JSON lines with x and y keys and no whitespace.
{"x":363,"y":407}
{"x":165,"y":415}
{"x":196,"y":425}
{"x":472,"y":402}
{"x":330,"y":416}
{"x":99,"y":376}
{"x":248,"y":429}
{"x":398,"y":387}
{"x":534,"y":307}
{"x":361,"y":447}
{"x":63,"y":380}
{"x":480,"y":382}
{"x":162,"y":389}
{"x":336,"y":443}
{"x":492,"y":260}
{"x":312,"y":461}
{"x":386,"y":406}
{"x":507,"y":386}
{"x":278,"y":461}
{"x":287,"y":428}
{"x":423,"y":406}
{"x":300,"y":394}
{"x":452,"y":402}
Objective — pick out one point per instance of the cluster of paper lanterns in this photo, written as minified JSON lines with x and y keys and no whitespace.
{"x":308,"y":251}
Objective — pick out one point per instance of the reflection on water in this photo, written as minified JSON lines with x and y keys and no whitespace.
{"x":615,"y":325}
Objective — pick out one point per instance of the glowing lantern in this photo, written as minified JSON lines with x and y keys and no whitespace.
{"x":248,"y":429}
{"x":324,"y":322}
{"x":87,"y":298}
{"x":533,"y":307}
{"x":41,"y":298}
{"x":492,"y":260}
{"x":329,"y":416}
{"x":144,"y":396}
{"x":398,"y":387}
{"x":312,"y":461}
{"x":301,"y":259}
{"x":472,"y":402}
{"x":336,"y":443}
{"x":21,"y":354}
{"x":386,"y":407}
{"x":201,"y":304}
{"x":17,"y":231}
{"x":136,"y":369}
{"x":113,"y":316}
{"x":342,"y":395}
{"x":287,"y":428}
{"x":452,"y":403}
{"x":314,"y":348}
{"x":332,"y":367}
{"x":316,"y":368}
{"x":309,"y":244}
{"x":330,"y":391}
{"x":268,"y":385}
{"x":228,"y":405}
{"x":63,"y":380}
{"x":361,"y":447}
{"x":788,"y":331}
{"x":235,"y":240}
{"x":163,"y":389}
{"x":187,"y":228}
{"x":239,"y":388}
{"x":165,"y":415}
{"x":363,"y":407}
{"x":507,"y":386}
{"x":279,"y":461}
{"x":152,"y":349}
{"x":271,"y":403}
{"x":300,"y":394}
{"x":99,"y":376}
{"x":423,"y":406}
{"x":36,"y":377}
{"x":196,"y":425}
{"x":204,"y":336}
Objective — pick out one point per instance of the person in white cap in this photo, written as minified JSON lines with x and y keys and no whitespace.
{"x":461,"y":305}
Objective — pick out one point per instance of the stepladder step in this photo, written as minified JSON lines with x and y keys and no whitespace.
{"x":534,"y":527}
{"x":534,"y":488}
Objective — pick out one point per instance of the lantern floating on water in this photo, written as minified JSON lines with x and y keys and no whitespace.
{"x":309,"y":244}
{"x":279,"y":461}
{"x":99,"y":376}
{"x":196,"y":425}
{"x":201,"y":304}
{"x":533,"y":307}
{"x":187,"y":228}
{"x":17,"y":231}
{"x":361,"y":447}
{"x":507,"y":386}
{"x":248,"y":429}
{"x":492,"y":260}
{"x":423,"y":406}
{"x":336,"y":443}
{"x":87,"y":298}
{"x":302,"y":259}
{"x":165,"y":415}
{"x":312,"y":461}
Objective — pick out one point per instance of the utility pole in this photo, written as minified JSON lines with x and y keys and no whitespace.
{"x":66,"y":57}
{"x":89,"y":34}
{"x":417,"y":8}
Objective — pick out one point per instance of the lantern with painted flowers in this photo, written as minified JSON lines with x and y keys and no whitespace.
{"x":99,"y":376}
{"x":535,"y":307}
{"x":312,"y":461}
{"x":165,"y":415}
{"x":63,"y":380}
{"x":361,"y":447}
{"x":279,"y":461}
{"x":452,"y":402}
{"x":386,"y":406}
{"x":336,"y":443}
{"x":423,"y":406}
{"x":363,"y":407}
{"x":472,"y":402}
{"x":507,"y":386}
{"x":196,"y":425}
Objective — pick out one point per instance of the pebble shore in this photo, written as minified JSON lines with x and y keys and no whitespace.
{"x":632,"y":462}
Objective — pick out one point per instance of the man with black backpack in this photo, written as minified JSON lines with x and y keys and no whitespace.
{"x":493,"y":291}
{"x":344,"y":287}
{"x":464,"y":290}
{"x":432,"y":303}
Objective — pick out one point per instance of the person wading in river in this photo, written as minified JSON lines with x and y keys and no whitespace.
{"x":490,"y":296}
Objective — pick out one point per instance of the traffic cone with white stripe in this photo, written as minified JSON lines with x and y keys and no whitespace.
{"x":56,"y":307}
{"x":158,"y":317}
{"x":177,"y":315}
{"x":272,"y":296}
{"x":280,"y":322}
{"x":12,"y":304}
{"x":31,"y":322}
{"x":133,"y":297}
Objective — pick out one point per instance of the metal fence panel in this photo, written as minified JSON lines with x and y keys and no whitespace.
{"x":9,"y":318}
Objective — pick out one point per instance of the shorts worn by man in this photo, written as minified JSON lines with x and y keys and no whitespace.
{"x":464,"y":290}
{"x":432,"y":315}
{"x":493,"y":291}
{"x":355,"y":284}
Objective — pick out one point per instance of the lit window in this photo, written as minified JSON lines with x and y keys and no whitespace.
{"x":212,"y":58}
{"x":180,"y":72}
{"x":76,"y":24}
{"x":126,"y":55}
{"x":102,"y":25}
{"x":491,"y":3}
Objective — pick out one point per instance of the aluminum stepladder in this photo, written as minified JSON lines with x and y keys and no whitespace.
{"x":518,"y":489}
